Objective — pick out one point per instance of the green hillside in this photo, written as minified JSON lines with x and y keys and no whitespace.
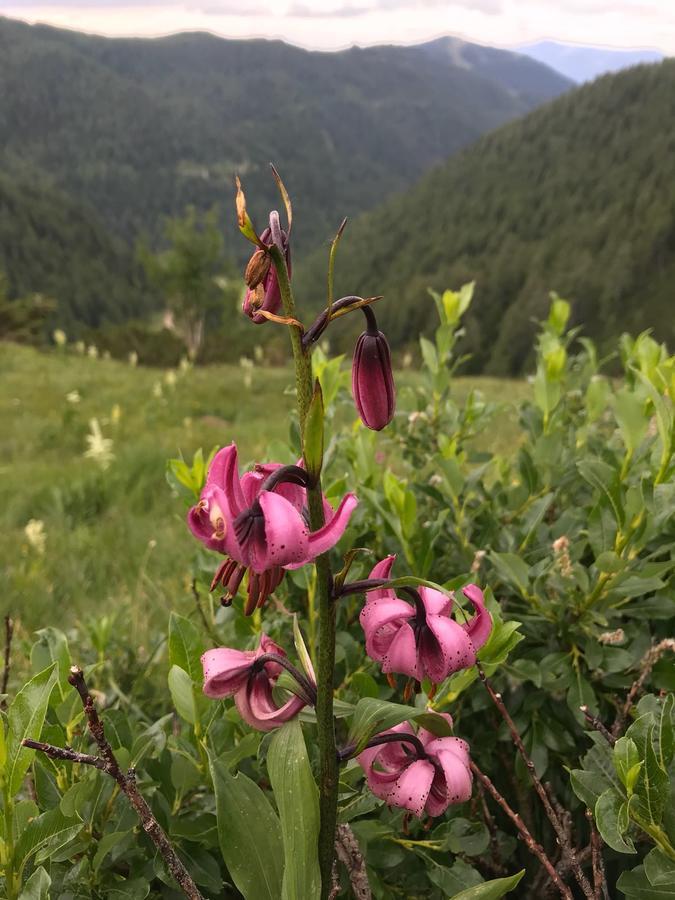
{"x":578,"y":197}
{"x":53,"y":245}
{"x":140,"y":128}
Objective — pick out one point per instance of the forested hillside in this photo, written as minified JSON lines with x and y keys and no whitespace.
{"x":578,"y":197}
{"x":137,"y":129}
{"x":52,"y":245}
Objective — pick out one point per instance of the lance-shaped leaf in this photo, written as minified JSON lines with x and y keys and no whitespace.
{"x":51,"y":828}
{"x":25,"y":719}
{"x":301,"y":650}
{"x":286,"y":198}
{"x":491,"y":890}
{"x":297,"y":800}
{"x":313,"y":434}
{"x":373,"y":716}
{"x":611,"y":816}
{"x":249,"y":834}
{"x":37,"y":886}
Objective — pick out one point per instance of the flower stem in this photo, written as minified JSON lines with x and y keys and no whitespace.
{"x":328,"y":763}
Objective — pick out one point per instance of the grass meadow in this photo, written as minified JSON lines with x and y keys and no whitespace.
{"x":113,"y":553}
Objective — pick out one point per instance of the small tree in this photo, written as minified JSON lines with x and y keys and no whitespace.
{"x":192,"y":274}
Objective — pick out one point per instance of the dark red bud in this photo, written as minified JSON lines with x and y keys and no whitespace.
{"x":372,"y":377}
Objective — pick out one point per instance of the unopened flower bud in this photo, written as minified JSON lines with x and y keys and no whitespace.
{"x":372,"y":377}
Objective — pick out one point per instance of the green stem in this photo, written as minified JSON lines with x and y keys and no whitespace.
{"x":10,"y":888}
{"x":328,"y":763}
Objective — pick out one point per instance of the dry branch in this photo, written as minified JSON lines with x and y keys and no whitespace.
{"x":107,"y":762}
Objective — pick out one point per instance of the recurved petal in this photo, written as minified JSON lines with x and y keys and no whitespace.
{"x":480,"y":626}
{"x":378,"y":613}
{"x":382,"y":569}
{"x":225,"y":670}
{"x":286,"y":533}
{"x":401,"y":655}
{"x":444,"y":648}
{"x":411,"y":789}
{"x":256,"y":705}
{"x":428,"y":737}
{"x":224,"y":473}
{"x":435,"y":603}
{"x":322,"y":540}
{"x":457,"y":774}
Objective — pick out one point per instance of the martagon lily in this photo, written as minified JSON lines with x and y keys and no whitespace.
{"x":418,"y":772}
{"x":250,"y":677}
{"x":421,"y":639}
{"x":259,"y":521}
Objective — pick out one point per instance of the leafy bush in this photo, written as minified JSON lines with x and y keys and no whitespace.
{"x":572,"y":537}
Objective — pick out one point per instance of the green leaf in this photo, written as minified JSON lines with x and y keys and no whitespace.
{"x":51,"y":827}
{"x":52,"y":647}
{"x":660,"y":870}
{"x":25,"y":719}
{"x":626,"y":758}
{"x":636,"y":884}
{"x":609,"y":562}
{"x":513,"y":570}
{"x":611,"y":816}
{"x":463,"y":836}
{"x":181,"y":687}
{"x":605,"y":479}
{"x":629,"y":409}
{"x":313,"y":434}
{"x":297,"y":800}
{"x":491,"y":890}
{"x":301,"y":649}
{"x":249,"y":834}
{"x":185,"y":646}
{"x":373,"y":716}
{"x":666,"y":732}
{"x":580,"y":693}
{"x":429,"y":355}
{"x":652,"y":787}
{"x":105,"y":845}
{"x":587,"y":786}
{"x":37,"y":886}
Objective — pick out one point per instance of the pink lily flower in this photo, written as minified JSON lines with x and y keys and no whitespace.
{"x":263,"y":286}
{"x":421,"y":640}
{"x":259,"y":522}
{"x":420,"y":772}
{"x":250,"y":677}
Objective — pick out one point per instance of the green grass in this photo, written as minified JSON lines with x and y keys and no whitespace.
{"x":116,"y":541}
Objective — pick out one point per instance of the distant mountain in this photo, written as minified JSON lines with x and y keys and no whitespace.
{"x":577,"y":197}
{"x":580,"y":63}
{"x":51,"y":244}
{"x":138,"y":128}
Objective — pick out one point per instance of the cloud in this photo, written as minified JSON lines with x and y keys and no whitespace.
{"x":375,"y":7}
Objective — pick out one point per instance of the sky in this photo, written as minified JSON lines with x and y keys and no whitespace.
{"x":333,"y":24}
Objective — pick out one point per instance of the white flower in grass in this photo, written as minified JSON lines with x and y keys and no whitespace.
{"x":157,"y":389}
{"x":60,"y":337}
{"x":35,"y":534}
{"x":80,"y":347}
{"x":99,"y":447}
{"x":73,"y":397}
{"x":133,"y":358}
{"x":170,"y":378}
{"x":92,"y":351}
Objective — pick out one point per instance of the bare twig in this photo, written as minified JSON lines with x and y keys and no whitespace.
{"x":597,"y":725}
{"x":567,"y":849}
{"x":599,"y":880}
{"x":649,"y":660}
{"x":349,"y":854}
{"x":9,"y":632}
{"x":492,"y":829}
{"x":532,"y":845}
{"x":107,"y":762}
